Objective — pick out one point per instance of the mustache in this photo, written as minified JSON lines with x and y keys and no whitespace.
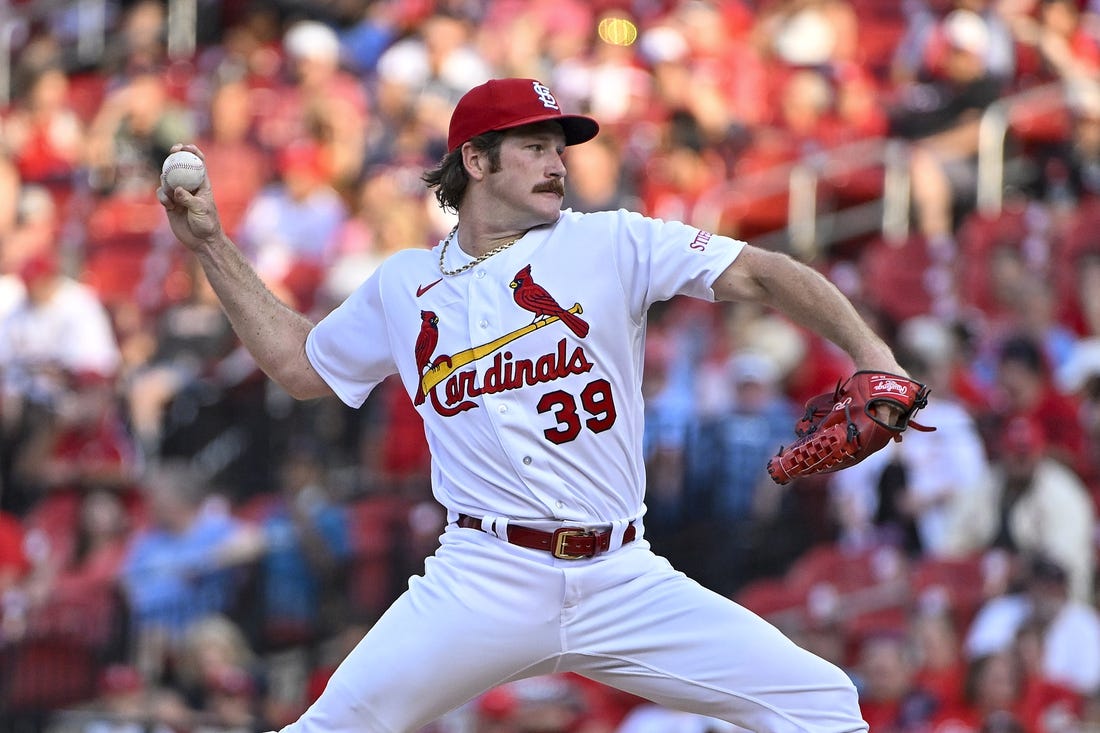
{"x":555,"y":185}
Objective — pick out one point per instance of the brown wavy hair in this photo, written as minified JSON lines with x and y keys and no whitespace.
{"x":450,"y":179}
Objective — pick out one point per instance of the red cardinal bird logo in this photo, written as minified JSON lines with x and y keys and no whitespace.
{"x":531,"y":296}
{"x":425,"y":344}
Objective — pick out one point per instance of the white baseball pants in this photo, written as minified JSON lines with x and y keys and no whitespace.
{"x":486,"y":612}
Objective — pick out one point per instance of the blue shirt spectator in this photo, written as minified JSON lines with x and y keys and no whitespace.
{"x":182,"y":567}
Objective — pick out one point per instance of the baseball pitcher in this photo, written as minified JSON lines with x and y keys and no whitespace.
{"x":519,"y":338}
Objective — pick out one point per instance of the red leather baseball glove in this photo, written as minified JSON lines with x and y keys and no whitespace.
{"x":841,"y":428}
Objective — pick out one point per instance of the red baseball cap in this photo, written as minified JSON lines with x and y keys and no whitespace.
{"x":501,"y":104}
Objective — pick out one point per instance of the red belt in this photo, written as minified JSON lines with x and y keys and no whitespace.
{"x":565,"y":543}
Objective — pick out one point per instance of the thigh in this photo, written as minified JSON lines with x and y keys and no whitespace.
{"x":666,"y":638}
{"x":481,"y":614}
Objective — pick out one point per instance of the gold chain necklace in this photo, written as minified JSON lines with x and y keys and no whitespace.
{"x":477,"y":260}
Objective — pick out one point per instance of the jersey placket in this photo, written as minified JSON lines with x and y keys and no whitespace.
{"x":509,"y":413}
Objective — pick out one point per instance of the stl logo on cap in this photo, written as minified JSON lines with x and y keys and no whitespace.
{"x":545,"y":95}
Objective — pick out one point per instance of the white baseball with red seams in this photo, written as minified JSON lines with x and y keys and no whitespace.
{"x":183,"y":169}
{"x":527,"y":368}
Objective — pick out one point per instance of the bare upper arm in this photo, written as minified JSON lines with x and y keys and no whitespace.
{"x":743,"y":279}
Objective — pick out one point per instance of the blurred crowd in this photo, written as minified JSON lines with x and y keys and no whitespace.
{"x":183,"y":547}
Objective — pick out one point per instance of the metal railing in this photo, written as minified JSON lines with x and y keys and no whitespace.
{"x":994,"y":133}
{"x":812,"y":226}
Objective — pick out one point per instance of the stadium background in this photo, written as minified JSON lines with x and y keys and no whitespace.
{"x":183,"y":547}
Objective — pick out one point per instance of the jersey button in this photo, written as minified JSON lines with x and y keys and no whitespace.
{"x":483,"y":323}
{"x":527,"y":460}
{"x":502,"y":409}
{"x":480,"y":274}
{"x":559,"y":504}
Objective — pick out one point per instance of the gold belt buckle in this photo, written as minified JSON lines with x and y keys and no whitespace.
{"x":558,"y":543}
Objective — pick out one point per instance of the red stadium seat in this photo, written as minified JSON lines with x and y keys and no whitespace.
{"x":956,"y":583}
{"x":1041,"y":121}
{"x":879,"y":34}
{"x":40,"y":674}
{"x":86,"y":93}
{"x":845,"y":570}
{"x":120,"y":239}
{"x":893,"y":276}
{"x":768,"y":597}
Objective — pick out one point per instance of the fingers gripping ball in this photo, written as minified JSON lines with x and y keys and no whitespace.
{"x":183,"y":170}
{"x":841,"y":428}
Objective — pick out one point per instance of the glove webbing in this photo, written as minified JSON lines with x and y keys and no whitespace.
{"x":829,"y":447}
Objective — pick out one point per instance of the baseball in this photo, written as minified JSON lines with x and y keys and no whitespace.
{"x":183,"y":169}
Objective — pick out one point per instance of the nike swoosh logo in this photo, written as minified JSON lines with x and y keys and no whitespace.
{"x":425,"y":288}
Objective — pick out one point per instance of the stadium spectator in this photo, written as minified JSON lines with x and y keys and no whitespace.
{"x":219,"y":675}
{"x":99,"y":544}
{"x":14,"y":564}
{"x":58,"y":331}
{"x":20,"y":242}
{"x":131,"y":133}
{"x":1069,"y":629}
{"x":547,"y":704}
{"x":940,"y":116}
{"x":890,"y":698}
{"x":24,"y":576}
{"x":83,"y":446}
{"x":122,"y":702}
{"x":1066,"y":49}
{"x":726,"y":480}
{"x":1034,"y":303}
{"x":1085,"y":295}
{"x":1047,"y":704}
{"x":237,"y":165}
{"x":691,"y":56}
{"x":596,"y":179}
{"x":1025,"y":387}
{"x":140,"y":41}
{"x":389,"y":212}
{"x":317,"y":99}
{"x":680,"y":169}
{"x":940,"y":664}
{"x":38,"y":229}
{"x":185,"y":564}
{"x":811,"y":33}
{"x":44,"y":134}
{"x":306,"y":548}
{"x":1080,"y":378}
{"x":923,"y":46}
{"x":1052,"y":636}
{"x":1032,"y":504}
{"x":994,"y":691}
{"x":194,"y":353}
{"x":289,"y":229}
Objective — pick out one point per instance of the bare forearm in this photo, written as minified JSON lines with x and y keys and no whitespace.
{"x":807,"y":298}
{"x":814,"y":302}
{"x":273,"y":333}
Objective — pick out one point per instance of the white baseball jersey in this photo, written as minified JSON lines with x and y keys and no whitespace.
{"x":530,"y":412}
{"x":527,"y":370}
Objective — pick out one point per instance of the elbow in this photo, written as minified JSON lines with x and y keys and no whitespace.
{"x":299,"y":379}
{"x":303,"y":388}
